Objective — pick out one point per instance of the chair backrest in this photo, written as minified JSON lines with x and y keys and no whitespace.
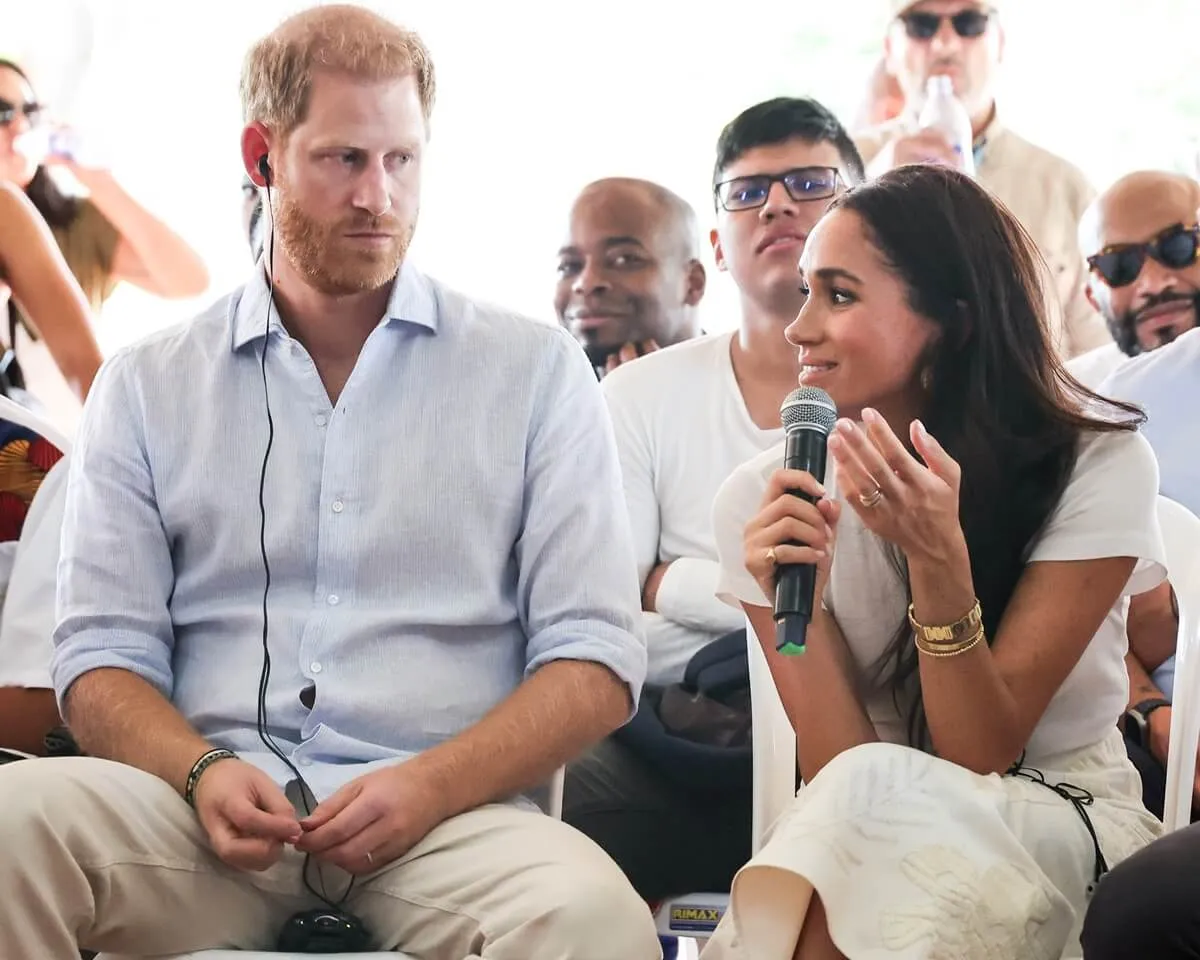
{"x":774,"y":746}
{"x":696,"y":915}
{"x":550,"y":797}
{"x":1181,"y":538}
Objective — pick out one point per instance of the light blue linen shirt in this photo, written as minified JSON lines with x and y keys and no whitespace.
{"x":455,"y":522}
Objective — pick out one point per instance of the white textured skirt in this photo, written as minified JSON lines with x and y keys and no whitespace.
{"x":916,"y":858}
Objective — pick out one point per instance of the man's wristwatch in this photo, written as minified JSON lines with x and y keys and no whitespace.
{"x":1137,"y":719}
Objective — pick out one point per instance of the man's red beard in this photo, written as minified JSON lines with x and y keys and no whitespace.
{"x":321,"y":252}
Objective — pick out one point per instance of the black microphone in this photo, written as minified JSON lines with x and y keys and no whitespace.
{"x":808,"y":414}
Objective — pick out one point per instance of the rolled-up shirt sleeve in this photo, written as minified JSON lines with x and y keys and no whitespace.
{"x":115,"y":574}
{"x":577,"y":581}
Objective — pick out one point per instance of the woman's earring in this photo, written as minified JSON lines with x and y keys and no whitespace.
{"x":927,"y":379}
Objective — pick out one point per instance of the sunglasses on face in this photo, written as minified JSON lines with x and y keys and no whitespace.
{"x":802,"y":183}
{"x":1175,"y":248}
{"x":9,"y":112}
{"x":968,"y":24}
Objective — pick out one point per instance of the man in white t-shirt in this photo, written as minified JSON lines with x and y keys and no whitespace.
{"x":1140,"y":240}
{"x":629,"y":273}
{"x":684,"y":418}
{"x":31,"y":512}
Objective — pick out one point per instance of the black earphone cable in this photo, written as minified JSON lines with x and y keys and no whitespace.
{"x":264,"y":679}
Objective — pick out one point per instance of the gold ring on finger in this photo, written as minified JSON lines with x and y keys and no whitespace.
{"x":872,"y":498}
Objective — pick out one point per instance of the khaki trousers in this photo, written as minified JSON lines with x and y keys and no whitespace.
{"x":102,"y":856}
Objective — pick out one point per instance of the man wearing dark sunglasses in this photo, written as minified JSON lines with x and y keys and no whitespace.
{"x":1140,"y":240}
{"x":963,"y":39}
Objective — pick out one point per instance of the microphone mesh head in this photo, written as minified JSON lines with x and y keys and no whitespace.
{"x":808,"y":408}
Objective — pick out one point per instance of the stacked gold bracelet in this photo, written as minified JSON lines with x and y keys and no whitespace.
{"x":951,"y":640}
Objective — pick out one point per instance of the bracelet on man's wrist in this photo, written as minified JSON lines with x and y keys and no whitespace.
{"x":206,"y":760}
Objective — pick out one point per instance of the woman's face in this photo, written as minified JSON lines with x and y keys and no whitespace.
{"x":859,"y":340}
{"x":16,"y":97}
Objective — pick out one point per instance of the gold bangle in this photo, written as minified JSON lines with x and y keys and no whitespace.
{"x":960,"y":629}
{"x":949,"y":649}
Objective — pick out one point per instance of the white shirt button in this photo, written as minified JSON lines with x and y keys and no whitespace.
{"x":338,"y":506}
{"x":321,"y":419}
{"x":304,"y":762}
{"x":333,"y":600}
{"x":315,"y":667}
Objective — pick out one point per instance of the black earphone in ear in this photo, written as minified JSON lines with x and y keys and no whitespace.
{"x":264,"y":169}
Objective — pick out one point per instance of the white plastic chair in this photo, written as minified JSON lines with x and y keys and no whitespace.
{"x":550,"y":801}
{"x":694,"y":916}
{"x":1181,"y":537}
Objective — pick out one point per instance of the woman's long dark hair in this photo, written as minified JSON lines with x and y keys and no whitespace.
{"x":59,"y":209}
{"x":999,"y":399}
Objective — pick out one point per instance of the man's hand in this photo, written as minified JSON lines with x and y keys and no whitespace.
{"x":247,"y":817}
{"x":373,"y":820}
{"x":924,"y":146}
{"x":650,"y":589}
{"x":631,"y":351}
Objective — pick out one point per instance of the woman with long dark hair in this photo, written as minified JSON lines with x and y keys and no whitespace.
{"x":983,"y":518}
{"x":105,"y":236}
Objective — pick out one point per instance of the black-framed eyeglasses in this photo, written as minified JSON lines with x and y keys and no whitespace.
{"x":801,"y":184}
{"x":8,"y":112}
{"x":968,"y":24}
{"x":1119,"y":264}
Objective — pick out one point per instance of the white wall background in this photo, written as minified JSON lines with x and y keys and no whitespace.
{"x":536,"y":99}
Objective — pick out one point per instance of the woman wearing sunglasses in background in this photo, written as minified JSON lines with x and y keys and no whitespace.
{"x":105,"y":237}
{"x":39,"y":280}
{"x":984,"y":520}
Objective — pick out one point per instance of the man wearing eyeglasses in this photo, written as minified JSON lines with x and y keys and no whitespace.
{"x":684,"y":418}
{"x":964,"y":40}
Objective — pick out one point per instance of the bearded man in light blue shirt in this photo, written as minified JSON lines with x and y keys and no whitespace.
{"x":433,"y":554}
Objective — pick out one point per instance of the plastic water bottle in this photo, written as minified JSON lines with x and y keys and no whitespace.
{"x":945,"y":112}
{"x":44,"y":142}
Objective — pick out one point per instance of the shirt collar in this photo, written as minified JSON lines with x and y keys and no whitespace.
{"x":990,"y":132}
{"x":411,"y":301}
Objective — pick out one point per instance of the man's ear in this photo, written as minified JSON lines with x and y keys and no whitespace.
{"x":715,"y":239}
{"x":697,"y":282}
{"x":888,"y":51}
{"x":256,"y":144}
